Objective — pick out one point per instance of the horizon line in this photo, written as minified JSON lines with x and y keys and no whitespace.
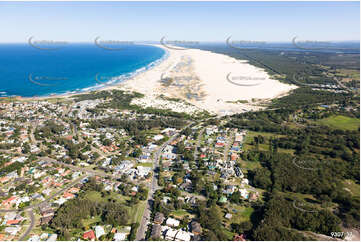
{"x":200,"y":41}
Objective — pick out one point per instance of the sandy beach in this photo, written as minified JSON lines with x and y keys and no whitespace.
{"x":214,"y":82}
{"x":210,"y":81}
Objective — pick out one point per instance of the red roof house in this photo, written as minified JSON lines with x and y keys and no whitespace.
{"x":89,"y":235}
{"x":13,"y":222}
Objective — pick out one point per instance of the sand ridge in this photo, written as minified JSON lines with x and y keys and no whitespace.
{"x":211,"y":81}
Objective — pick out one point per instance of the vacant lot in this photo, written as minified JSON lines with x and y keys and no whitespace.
{"x":341,"y":122}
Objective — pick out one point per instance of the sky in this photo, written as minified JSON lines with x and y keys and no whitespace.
{"x":190,"y":21}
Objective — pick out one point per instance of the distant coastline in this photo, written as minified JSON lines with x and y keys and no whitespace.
{"x":135,"y":66}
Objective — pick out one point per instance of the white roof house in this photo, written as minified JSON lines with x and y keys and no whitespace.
{"x":52,"y":237}
{"x":171,"y":233}
{"x":10,"y":215}
{"x":158,"y":137}
{"x":99,"y":231}
{"x":244,"y":193}
{"x":143,"y":171}
{"x":34,"y":238}
{"x":12,"y":230}
{"x":172,"y":222}
{"x":183,"y":236}
{"x":60,"y":201}
{"x":120,"y":236}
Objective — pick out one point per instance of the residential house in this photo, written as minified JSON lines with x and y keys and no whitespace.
{"x":99,"y":231}
{"x":196,"y":228}
{"x":10,"y":201}
{"x":240,"y":237}
{"x":89,"y":235}
{"x":52,"y":237}
{"x":183,"y":236}
{"x":172,"y":222}
{"x":120,"y":236}
{"x":170,"y":234}
{"x":159,"y":218}
{"x":156,"y":231}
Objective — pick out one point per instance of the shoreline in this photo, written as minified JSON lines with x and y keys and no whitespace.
{"x":200,"y":78}
{"x":69,"y":94}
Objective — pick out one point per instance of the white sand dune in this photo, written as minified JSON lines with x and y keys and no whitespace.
{"x":223,"y":79}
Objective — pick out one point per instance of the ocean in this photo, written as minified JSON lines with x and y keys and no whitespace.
{"x":28,"y":71}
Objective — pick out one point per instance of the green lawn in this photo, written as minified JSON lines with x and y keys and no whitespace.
{"x":239,"y":213}
{"x":340,"y":122}
{"x":229,"y":234}
{"x":249,"y":165}
{"x":90,"y":221}
{"x":180,"y":213}
{"x":136,"y":212}
{"x":94,"y":196}
{"x":243,"y":214}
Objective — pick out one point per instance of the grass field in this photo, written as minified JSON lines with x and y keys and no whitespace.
{"x":249,"y":165}
{"x":135,"y":212}
{"x":247,"y":145}
{"x":341,"y":122}
{"x":355,"y":74}
{"x":180,"y":213}
{"x":240,"y":214}
{"x":91,"y":221}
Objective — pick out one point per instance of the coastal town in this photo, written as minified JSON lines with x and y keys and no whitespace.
{"x":118,"y":164}
{"x":179,"y":121}
{"x":51,"y":150}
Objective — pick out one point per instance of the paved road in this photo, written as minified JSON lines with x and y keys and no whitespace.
{"x":228,"y":144}
{"x":195,"y":154}
{"x":141,"y":233}
{"x":82,"y":169}
{"x":33,"y":125}
{"x":30,"y":208}
{"x":71,"y":184}
{"x":344,"y":86}
{"x":31,"y":226}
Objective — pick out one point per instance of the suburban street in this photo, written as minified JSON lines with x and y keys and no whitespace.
{"x":30,"y":208}
{"x":141,"y":233}
{"x":31,"y":226}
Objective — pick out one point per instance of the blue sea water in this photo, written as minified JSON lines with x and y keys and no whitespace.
{"x":27,"y":71}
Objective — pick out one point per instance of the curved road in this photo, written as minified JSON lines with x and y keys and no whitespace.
{"x":30,"y":228}
{"x":30,"y":207}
